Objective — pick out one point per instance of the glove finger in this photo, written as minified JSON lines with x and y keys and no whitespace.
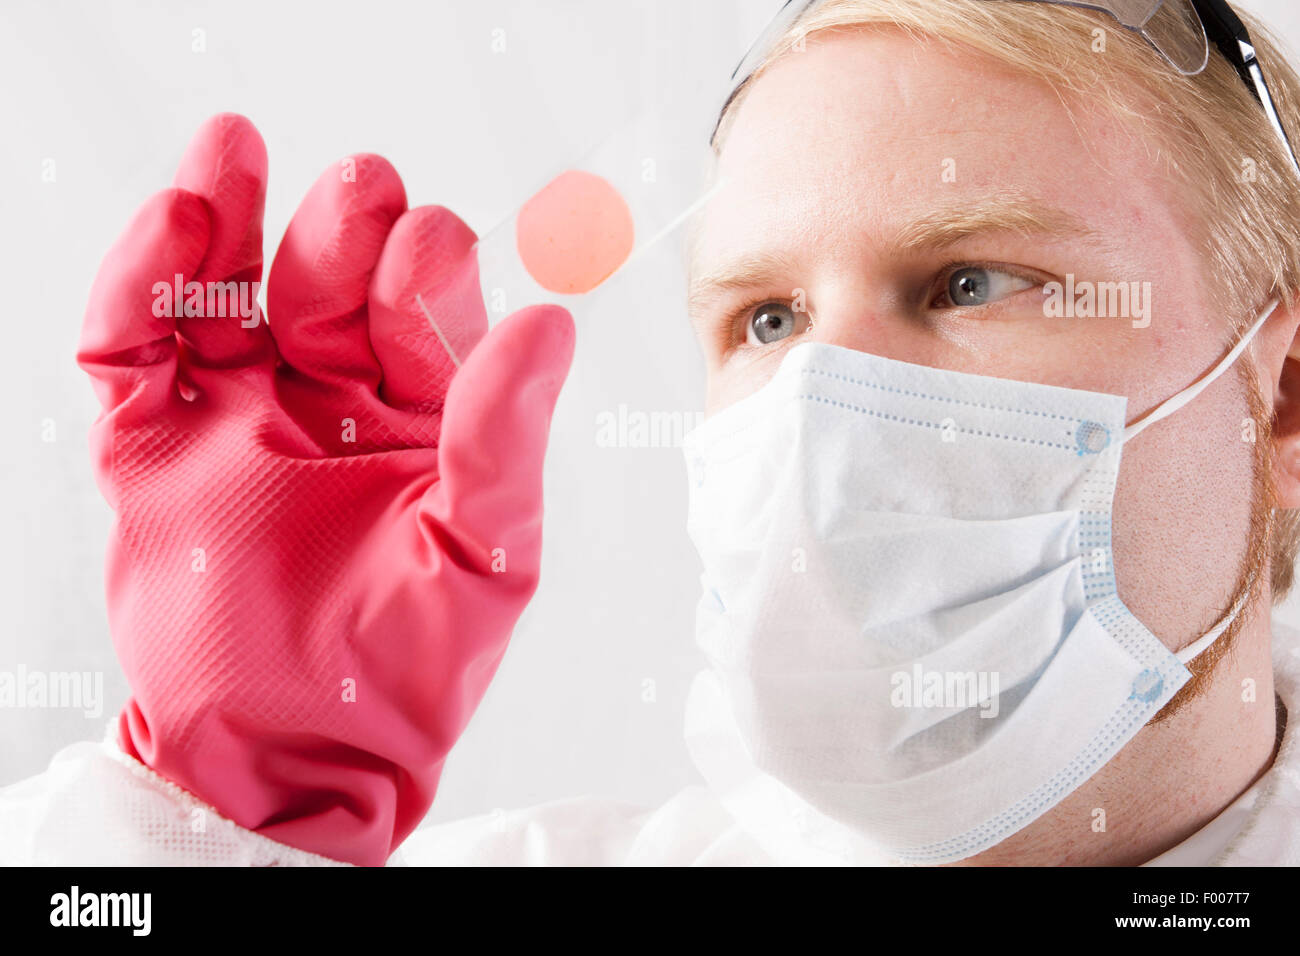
{"x":320,"y":278}
{"x":226,"y":165}
{"x":493,"y":442}
{"x":426,"y":311}
{"x":128,"y":340}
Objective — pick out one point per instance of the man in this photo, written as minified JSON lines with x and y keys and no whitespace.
{"x":917,"y":192}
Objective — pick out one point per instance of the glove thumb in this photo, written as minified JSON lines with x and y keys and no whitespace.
{"x":485,"y":510}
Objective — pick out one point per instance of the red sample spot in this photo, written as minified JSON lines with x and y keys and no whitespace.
{"x":574,"y":233}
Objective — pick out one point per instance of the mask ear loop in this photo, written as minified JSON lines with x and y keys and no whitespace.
{"x":1175,"y":402}
{"x":1164,"y":410}
{"x":1193,"y":650}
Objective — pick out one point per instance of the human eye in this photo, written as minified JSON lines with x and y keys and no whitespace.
{"x":969,"y":285}
{"x":769,"y":321}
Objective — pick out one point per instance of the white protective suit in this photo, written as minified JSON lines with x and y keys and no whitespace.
{"x":96,"y":806}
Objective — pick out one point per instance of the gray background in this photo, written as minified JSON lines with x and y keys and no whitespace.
{"x":113,"y":91}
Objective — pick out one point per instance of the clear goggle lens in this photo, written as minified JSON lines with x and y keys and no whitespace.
{"x":1173,"y":27}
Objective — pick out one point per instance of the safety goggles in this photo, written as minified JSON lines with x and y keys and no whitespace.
{"x":1179,"y":30}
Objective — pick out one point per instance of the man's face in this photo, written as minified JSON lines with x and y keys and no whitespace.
{"x":878,"y":175}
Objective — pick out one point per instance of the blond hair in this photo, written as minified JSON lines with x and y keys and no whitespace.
{"x":1218,"y":148}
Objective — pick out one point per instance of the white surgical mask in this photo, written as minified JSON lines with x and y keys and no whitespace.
{"x":909,"y":607}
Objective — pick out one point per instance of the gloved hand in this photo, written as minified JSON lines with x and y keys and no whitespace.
{"x":324,"y":531}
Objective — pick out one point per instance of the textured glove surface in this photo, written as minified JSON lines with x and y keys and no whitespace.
{"x":325,"y":531}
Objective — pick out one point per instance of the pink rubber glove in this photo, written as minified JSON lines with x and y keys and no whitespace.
{"x":325,"y":532}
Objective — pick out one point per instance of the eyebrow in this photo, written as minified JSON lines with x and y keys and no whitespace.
{"x":954,"y":221}
{"x":743,"y":272}
{"x":941,"y":227}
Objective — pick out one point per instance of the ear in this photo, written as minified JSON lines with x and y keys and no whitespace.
{"x":1280,"y":362}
